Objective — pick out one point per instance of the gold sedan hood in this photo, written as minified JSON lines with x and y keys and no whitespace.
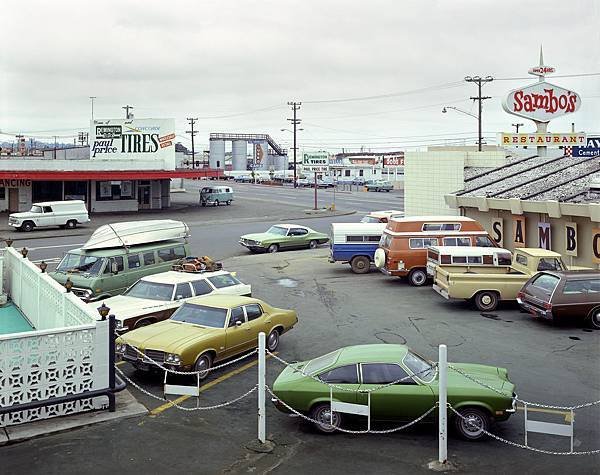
{"x":168,"y":336}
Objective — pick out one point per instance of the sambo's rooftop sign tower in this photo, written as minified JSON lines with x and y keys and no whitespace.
{"x":541,"y":102}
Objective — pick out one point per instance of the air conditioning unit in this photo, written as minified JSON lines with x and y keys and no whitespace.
{"x":595,"y":184}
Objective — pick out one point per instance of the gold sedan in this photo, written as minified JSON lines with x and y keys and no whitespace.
{"x":206,"y":330}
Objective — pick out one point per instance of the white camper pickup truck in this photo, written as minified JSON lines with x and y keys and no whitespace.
{"x":64,"y":214}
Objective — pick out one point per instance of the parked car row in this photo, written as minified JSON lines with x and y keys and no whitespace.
{"x":464,"y":263}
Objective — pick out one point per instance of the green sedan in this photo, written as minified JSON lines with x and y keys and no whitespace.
{"x":283,"y":236}
{"x":366,"y":367}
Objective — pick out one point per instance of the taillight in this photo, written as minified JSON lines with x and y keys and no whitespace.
{"x":520,"y":295}
{"x":547,"y":305}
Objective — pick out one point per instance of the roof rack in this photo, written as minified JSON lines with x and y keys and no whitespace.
{"x":197,"y":265}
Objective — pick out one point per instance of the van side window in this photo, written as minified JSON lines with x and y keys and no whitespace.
{"x":459,"y":260}
{"x":483,"y":241}
{"x":445,"y":259}
{"x":487,"y":259}
{"x":47,"y":209}
{"x":457,"y":241}
{"x":474,"y":260}
{"x":441,"y":227}
{"x":421,"y":243}
{"x":171,"y":254}
{"x":118,"y":260}
{"x":149,"y":258}
{"x":504,"y":259}
{"x":133,"y":261}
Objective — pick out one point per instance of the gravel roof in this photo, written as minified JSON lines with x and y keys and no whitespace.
{"x":538,"y":178}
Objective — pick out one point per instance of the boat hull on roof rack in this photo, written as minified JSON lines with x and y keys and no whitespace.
{"x":133,"y":233}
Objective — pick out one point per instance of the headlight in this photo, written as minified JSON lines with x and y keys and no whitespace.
{"x":173,"y":359}
{"x":120,"y":347}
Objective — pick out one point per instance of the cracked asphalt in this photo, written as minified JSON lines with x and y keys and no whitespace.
{"x":552,"y":364}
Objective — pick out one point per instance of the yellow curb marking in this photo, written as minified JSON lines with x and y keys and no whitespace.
{"x":210,"y":384}
{"x":567,"y":414}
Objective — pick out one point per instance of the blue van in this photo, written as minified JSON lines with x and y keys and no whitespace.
{"x":355,"y":243}
{"x":216,"y":195}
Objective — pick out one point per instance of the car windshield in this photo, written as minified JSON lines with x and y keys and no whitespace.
{"x":369,"y":219}
{"x":150,"y":290}
{"x":81,"y":263}
{"x":36,"y":209}
{"x":322,"y":362}
{"x":201,"y":315}
{"x":420,"y":367}
{"x":277,"y":230}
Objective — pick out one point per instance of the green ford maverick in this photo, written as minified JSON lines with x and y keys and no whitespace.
{"x":305,"y":387}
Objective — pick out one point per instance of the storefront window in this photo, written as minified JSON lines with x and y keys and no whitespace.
{"x":76,"y":190}
{"x":2,"y":193}
{"x":114,"y":190}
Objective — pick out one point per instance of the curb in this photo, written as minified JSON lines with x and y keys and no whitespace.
{"x":311,"y":216}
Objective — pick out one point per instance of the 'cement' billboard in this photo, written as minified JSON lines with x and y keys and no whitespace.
{"x":133,"y":139}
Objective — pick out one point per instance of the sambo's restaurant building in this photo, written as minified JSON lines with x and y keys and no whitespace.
{"x":128,"y":166}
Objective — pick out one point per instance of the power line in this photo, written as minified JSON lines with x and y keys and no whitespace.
{"x":392,"y":94}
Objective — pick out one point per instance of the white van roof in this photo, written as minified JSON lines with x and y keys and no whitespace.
{"x":434,"y":219}
{"x":468,"y":250}
{"x":358,"y":228}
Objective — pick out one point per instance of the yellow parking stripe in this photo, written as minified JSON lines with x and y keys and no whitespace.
{"x":210,"y":384}
{"x":566,"y":414}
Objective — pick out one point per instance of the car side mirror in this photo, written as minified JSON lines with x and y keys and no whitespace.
{"x":238,"y":323}
{"x":178,"y":297}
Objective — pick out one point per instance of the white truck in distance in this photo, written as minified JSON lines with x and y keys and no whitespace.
{"x":64,"y":214}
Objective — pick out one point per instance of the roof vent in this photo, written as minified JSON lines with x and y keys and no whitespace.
{"x":595,"y":184}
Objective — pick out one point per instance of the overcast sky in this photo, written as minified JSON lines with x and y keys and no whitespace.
{"x":236,"y":64}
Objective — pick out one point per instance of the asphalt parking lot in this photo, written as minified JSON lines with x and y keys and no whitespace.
{"x":550,"y":364}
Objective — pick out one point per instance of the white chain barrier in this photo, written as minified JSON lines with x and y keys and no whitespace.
{"x":147,"y":359}
{"x":515,"y":444}
{"x":347,"y":431}
{"x":183,"y":408}
{"x":341,"y":388}
{"x":535,"y":404}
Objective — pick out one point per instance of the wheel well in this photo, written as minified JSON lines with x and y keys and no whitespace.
{"x":150,"y":318}
{"x":475,"y":405}
{"x":212,"y":354}
{"x":279,"y":329}
{"x":593,"y":310}
{"x":28,"y":221}
{"x":486,"y":290}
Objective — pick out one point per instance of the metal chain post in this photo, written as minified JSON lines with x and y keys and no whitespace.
{"x":443,"y":404}
{"x":261,"y":387}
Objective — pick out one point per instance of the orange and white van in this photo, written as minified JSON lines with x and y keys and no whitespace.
{"x":403,"y":246}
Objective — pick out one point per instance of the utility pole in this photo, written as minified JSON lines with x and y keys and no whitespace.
{"x":192,"y":132}
{"x":55,"y":147}
{"x":516,"y":126}
{"x":479,"y":81}
{"x":127,"y":115}
{"x":92,"y":101}
{"x":19,"y":137}
{"x":295,"y":107}
{"x":83,"y":137}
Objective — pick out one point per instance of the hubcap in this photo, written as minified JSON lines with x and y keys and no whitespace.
{"x":486,"y":300}
{"x":472,"y":424}
{"x":418,"y":278}
{"x":328,"y":419}
{"x":273,"y":338}
{"x":596,"y":319}
{"x":202,"y":367}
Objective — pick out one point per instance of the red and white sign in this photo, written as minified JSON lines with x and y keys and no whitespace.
{"x":542,"y":70}
{"x":393,"y":161}
{"x":541,"y":102}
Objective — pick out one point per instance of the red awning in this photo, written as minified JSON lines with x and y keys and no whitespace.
{"x":61,"y":175}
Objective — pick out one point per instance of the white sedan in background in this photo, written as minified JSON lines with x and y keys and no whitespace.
{"x":155,"y":297}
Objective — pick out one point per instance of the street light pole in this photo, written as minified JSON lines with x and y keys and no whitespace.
{"x":92,"y":101}
{"x":479,"y":81}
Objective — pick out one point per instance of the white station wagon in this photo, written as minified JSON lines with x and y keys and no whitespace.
{"x":155,"y":297}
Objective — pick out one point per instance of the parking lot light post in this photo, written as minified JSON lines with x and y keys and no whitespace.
{"x":443,"y":400}
{"x":315,"y":190}
{"x":261,"y":388}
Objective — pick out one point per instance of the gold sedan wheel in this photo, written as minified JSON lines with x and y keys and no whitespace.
{"x":273,"y":340}
{"x":203,"y":365}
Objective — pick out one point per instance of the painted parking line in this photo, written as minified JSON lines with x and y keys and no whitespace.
{"x":566,"y":414}
{"x":210,"y":384}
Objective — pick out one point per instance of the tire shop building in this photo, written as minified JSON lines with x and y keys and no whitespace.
{"x":127,"y":167}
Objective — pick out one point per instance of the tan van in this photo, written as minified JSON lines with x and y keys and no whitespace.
{"x":403,"y":246}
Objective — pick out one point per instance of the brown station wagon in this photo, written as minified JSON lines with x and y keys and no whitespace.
{"x":565,"y":294}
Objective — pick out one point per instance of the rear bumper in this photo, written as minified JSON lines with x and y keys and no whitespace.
{"x":533,"y":310}
{"x":442,"y":292}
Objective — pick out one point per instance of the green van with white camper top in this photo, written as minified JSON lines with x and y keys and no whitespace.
{"x":117,"y":255}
